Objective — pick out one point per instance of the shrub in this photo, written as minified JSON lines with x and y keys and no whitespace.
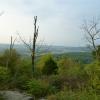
{"x":22,"y":75}
{"x":10,"y":60}
{"x":21,"y":82}
{"x":68,"y":66}
{"x":47,"y":65}
{"x":56,"y":82}
{"x":50,"y":67}
{"x":24,"y":68}
{"x":37,"y":87}
{"x":69,"y":95}
{"x":4,"y":77}
{"x":71,"y":74}
{"x":93,"y":72}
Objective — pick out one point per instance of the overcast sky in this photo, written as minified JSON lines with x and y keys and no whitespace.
{"x":59,"y":20}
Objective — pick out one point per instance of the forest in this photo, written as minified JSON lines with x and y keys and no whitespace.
{"x":67,"y":76}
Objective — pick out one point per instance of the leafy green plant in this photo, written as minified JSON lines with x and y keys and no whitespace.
{"x":93,"y":72}
{"x":38,"y":88}
{"x":47,"y":65}
{"x":10,"y":59}
{"x":23,"y":74}
{"x":4,"y":77}
{"x":77,"y":95}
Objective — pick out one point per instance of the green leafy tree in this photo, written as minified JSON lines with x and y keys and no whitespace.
{"x":47,"y":65}
{"x":10,"y":60}
{"x":64,"y":64}
{"x":50,"y":66}
{"x":93,"y":72}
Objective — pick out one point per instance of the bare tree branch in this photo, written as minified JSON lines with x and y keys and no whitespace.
{"x":32,"y":46}
{"x":25,"y":43}
{"x":92,"y":33}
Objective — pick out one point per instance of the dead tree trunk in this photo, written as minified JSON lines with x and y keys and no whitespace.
{"x":32,"y":47}
{"x":11,"y":47}
{"x":10,"y":51}
{"x":34,"y":42}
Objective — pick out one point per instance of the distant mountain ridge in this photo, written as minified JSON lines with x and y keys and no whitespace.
{"x":45,"y":49}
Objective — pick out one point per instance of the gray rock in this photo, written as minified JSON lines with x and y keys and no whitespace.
{"x":15,"y":95}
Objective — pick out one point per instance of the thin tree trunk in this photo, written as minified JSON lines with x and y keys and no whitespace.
{"x":34,"y":43}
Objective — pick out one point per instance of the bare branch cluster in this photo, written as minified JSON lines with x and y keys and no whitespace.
{"x":32,"y":46}
{"x":92,"y":32}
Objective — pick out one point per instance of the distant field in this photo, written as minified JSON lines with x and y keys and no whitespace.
{"x":81,"y":54}
{"x":82,"y":57}
{"x":45,"y":49}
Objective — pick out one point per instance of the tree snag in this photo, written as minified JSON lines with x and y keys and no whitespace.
{"x":32,"y":46}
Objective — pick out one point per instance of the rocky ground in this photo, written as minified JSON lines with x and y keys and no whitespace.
{"x":15,"y":95}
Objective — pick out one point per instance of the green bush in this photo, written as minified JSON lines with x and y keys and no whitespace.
{"x":56,"y":81}
{"x":93,"y":72}
{"x":24,"y":68}
{"x":61,"y":82}
{"x":69,"y":95}
{"x":47,"y":65}
{"x":4,"y":77}
{"x":23,"y":74}
{"x":71,"y":74}
{"x":10,"y":59}
{"x":37,"y":88}
{"x":66,"y":63}
{"x":68,"y":66}
{"x":20,"y":82}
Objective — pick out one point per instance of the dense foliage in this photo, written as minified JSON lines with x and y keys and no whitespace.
{"x":4,"y":77}
{"x":55,"y":77}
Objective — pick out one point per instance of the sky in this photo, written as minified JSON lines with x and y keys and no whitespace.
{"x":59,"y":20}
